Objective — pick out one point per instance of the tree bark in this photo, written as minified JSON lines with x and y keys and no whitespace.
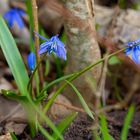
{"x":82,"y":47}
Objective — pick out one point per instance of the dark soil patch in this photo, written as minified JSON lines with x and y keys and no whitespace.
{"x":80,"y":129}
{"x":116,"y":121}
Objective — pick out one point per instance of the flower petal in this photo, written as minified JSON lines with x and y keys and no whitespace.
{"x":43,"y":38}
{"x":137,"y":41}
{"x":46,"y":44}
{"x":14,"y":16}
{"x":21,"y":12}
{"x":42,"y":50}
{"x":61,"y":52}
{"x":53,"y":45}
{"x":31,"y":59}
{"x":45,"y":47}
{"x":19,"y":21}
{"x":60,"y":43}
{"x":136,"y":54}
{"x":130,"y":44}
{"x":128,"y":51}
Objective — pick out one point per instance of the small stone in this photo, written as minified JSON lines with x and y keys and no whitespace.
{"x":15,"y":127}
{"x":60,"y":111}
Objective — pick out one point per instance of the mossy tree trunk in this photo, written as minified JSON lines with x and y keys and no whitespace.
{"x":82,"y":47}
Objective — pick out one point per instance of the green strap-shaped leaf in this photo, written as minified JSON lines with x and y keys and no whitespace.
{"x":64,"y":124}
{"x":13,"y":57}
{"x":127,"y":122}
{"x":85,"y":106}
{"x":13,"y":136}
{"x":104,"y":128}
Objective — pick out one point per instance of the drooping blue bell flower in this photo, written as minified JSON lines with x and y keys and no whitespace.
{"x":14,"y":15}
{"x":53,"y":45}
{"x":134,"y":50}
{"x":31,"y":59}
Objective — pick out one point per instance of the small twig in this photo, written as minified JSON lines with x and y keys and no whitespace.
{"x":134,"y":87}
{"x":90,"y":8}
{"x":97,"y":112}
{"x":102,"y":86}
{"x":35,"y":17}
{"x":109,"y":108}
{"x":11,"y":113}
{"x":101,"y":89}
{"x":113,"y":22}
{"x":71,"y":107}
{"x":117,"y":106}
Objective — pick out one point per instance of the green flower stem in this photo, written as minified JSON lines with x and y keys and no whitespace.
{"x":77,"y":74}
{"x":29,"y":85}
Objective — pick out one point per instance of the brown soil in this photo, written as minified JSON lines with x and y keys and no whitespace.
{"x":80,"y":128}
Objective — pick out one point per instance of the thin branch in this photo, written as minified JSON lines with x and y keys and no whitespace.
{"x":122,"y":104}
{"x":11,"y":113}
{"x":35,"y":18}
{"x":101,"y":88}
{"x":71,"y":107}
{"x":117,"y":106}
{"x":90,"y":9}
{"x":134,"y":87}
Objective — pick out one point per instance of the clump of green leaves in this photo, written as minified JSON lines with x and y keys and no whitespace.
{"x":105,"y":134}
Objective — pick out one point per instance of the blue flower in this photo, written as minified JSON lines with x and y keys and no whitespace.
{"x":14,"y":15}
{"x":31,"y":59}
{"x":133,"y":43}
{"x":53,"y":45}
{"x":134,"y":50}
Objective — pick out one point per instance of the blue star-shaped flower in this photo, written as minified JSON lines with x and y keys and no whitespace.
{"x":53,"y":45}
{"x":31,"y":59}
{"x":134,"y":50}
{"x":14,"y":15}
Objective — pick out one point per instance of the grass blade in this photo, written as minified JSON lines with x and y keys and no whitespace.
{"x":31,"y":23}
{"x":44,"y":132}
{"x":63,"y":125}
{"x":13,"y":57}
{"x":96,"y":136}
{"x":77,"y":74}
{"x":13,"y":136}
{"x":104,"y":129}
{"x":85,"y":106}
{"x":56,"y":81}
{"x":46,"y":119}
{"x":31,"y":108}
{"x":127,"y":122}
